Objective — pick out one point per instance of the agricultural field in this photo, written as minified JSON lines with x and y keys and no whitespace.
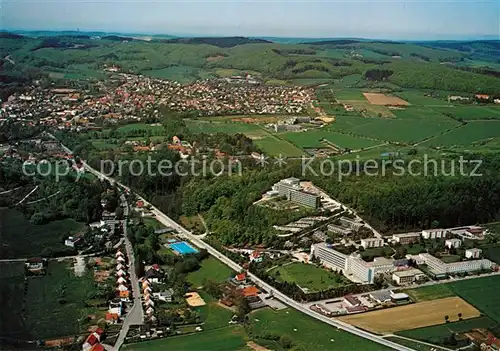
{"x":223,"y":339}
{"x":417,"y":315}
{"x":383,"y":99}
{"x":415,"y":345}
{"x":417,"y":97}
{"x":469,"y":134}
{"x":430,"y":292}
{"x":348,"y":94}
{"x":250,"y":130}
{"x":309,"y":277}
{"x":139,"y":126}
{"x":181,"y":74}
{"x":436,"y":334}
{"x":470,"y":113}
{"x":211,"y":269}
{"x":12,"y":286}
{"x":20,"y":238}
{"x":482,"y":293}
{"x":275,"y":146}
{"x":418,"y":113}
{"x":313,"y":139}
{"x":305,"y":332}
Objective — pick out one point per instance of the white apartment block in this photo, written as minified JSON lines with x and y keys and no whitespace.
{"x":434,"y":233}
{"x":456,"y":243}
{"x":339,"y":230}
{"x":372,"y":242}
{"x":365,"y":272}
{"x":406,"y":238}
{"x":329,"y":257}
{"x":351,"y":223}
{"x":473,"y":253}
{"x":438,"y":267}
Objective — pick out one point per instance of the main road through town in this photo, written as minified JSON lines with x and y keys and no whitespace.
{"x":183,"y":232}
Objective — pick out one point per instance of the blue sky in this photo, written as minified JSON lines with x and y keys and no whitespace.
{"x":390,"y":19}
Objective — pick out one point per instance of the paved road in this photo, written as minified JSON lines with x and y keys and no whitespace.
{"x":135,"y":313}
{"x":276,"y":293}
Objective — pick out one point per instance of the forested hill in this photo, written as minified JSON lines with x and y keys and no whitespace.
{"x":223,"y":42}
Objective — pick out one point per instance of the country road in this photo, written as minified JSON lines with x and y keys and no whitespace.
{"x":164,"y":219}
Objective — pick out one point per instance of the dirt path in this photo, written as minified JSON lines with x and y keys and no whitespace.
{"x":256,"y":347}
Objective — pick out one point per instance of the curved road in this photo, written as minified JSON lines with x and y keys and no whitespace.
{"x":160,"y":216}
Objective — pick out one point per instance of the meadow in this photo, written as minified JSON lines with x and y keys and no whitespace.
{"x":482,"y":293}
{"x":275,"y":146}
{"x":313,"y":139}
{"x":211,"y":269}
{"x":436,"y":333}
{"x":309,"y":277}
{"x":417,"y":97}
{"x":430,"y":292}
{"x":139,"y":126}
{"x":472,"y":112}
{"x":21,"y":238}
{"x":181,"y":74}
{"x":250,"y":130}
{"x":305,"y":332}
{"x":223,"y":339}
{"x":415,"y":345}
{"x":12,"y":285}
{"x":469,"y":134}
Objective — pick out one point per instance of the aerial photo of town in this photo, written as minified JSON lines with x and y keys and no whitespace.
{"x":238,"y":176}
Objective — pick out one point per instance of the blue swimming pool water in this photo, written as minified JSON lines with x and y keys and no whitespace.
{"x":183,"y":248}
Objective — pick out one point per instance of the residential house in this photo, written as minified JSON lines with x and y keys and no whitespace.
{"x":166,"y":296}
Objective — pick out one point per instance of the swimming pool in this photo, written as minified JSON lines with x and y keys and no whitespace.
{"x":183,"y":248}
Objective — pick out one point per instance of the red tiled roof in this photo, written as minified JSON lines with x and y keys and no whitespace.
{"x":92,"y":339}
{"x":241,"y":276}
{"x":97,"y":347}
{"x":250,"y":291}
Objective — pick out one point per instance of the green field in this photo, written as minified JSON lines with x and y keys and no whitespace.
{"x":12,"y":287}
{"x":436,"y":334}
{"x":430,"y":292}
{"x":250,"y":130}
{"x":20,"y":238}
{"x":139,"y":126}
{"x":469,"y":134}
{"x":349,"y":94}
{"x":396,"y":130}
{"x":312,"y":139}
{"x":275,"y":146}
{"x":214,"y":316}
{"x":418,"y":113}
{"x":181,"y":74}
{"x":415,"y":345}
{"x":211,"y":269}
{"x":103,"y":144}
{"x":416,"y":97}
{"x":309,"y":277}
{"x":482,"y":293}
{"x":473,"y":112}
{"x":223,"y":339}
{"x":305,"y":332}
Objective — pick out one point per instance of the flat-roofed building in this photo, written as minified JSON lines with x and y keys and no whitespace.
{"x":365,"y":272}
{"x":338,"y":229}
{"x":351,"y":223}
{"x":291,"y":189}
{"x":406,"y":238}
{"x":434,"y":233}
{"x":453,"y":243}
{"x":372,"y":242}
{"x":407,"y":276}
{"x":438,"y":267}
{"x":473,"y":253}
{"x":329,"y":257}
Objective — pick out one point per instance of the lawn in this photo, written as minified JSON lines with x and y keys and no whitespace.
{"x":436,"y":333}
{"x":20,"y":238}
{"x":214,"y":315}
{"x":103,"y":144}
{"x":305,"y":332}
{"x":482,"y":293}
{"x":309,"y":277}
{"x":415,"y":345}
{"x":313,"y":138}
{"x":223,"y":339}
{"x":251,"y":130}
{"x":57,"y":302}
{"x":430,"y":292}
{"x":473,"y":132}
{"x":211,"y":269}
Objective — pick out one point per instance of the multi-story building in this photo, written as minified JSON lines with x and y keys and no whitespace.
{"x":372,"y":242}
{"x":407,"y":276}
{"x":406,"y":238}
{"x":338,"y":229}
{"x":291,"y":189}
{"x":434,"y":233}
{"x":440,"y":268}
{"x":456,"y":243}
{"x":473,"y":253}
{"x":329,"y":257}
{"x":355,"y":225}
{"x":365,"y":272}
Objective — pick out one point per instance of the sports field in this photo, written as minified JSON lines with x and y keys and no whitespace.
{"x":482,"y":293}
{"x":273,"y":145}
{"x":309,"y":277}
{"x":313,"y":139}
{"x":436,"y":334}
{"x":430,"y":292}
{"x":473,"y":132}
{"x":251,"y":130}
{"x":306,"y":333}
{"x":417,"y":315}
{"x":223,"y":339}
